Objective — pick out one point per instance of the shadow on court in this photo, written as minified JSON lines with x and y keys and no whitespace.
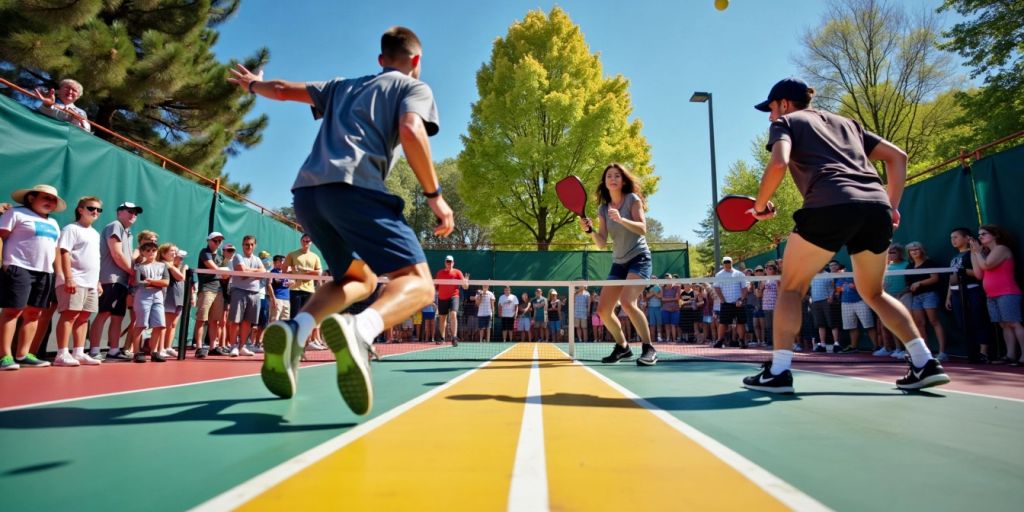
{"x":242,"y":423}
{"x":735,"y":400}
{"x":35,"y":468}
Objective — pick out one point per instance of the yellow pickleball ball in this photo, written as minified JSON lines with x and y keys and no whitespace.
{"x":721,"y":5}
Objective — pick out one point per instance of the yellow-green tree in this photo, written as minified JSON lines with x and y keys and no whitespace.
{"x":545,"y":112}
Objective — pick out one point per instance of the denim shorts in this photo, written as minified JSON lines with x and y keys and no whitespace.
{"x":670,"y":317}
{"x":927,"y":300}
{"x":1004,"y":308}
{"x":554,"y":325}
{"x":654,"y":315}
{"x":352,"y":223}
{"x":639,"y":265}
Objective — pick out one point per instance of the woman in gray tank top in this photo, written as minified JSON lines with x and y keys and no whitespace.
{"x":621,"y":213}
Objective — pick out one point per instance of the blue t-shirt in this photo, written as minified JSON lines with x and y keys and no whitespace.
{"x":850,"y":294}
{"x":357,"y":140}
{"x":280,"y":286}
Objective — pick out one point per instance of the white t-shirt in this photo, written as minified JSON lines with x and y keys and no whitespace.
{"x":507,"y":305}
{"x":83,"y":244}
{"x":486,"y":299}
{"x":32,"y":244}
{"x":732,"y":289}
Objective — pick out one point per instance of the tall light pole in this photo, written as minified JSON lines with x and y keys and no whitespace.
{"x":702,"y":97}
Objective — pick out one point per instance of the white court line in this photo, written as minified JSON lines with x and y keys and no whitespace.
{"x":782,"y":491}
{"x":529,"y":488}
{"x":893,"y":384}
{"x":246,"y":491}
{"x":116,"y":393}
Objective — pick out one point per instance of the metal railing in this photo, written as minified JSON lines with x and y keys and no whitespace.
{"x":215,"y":184}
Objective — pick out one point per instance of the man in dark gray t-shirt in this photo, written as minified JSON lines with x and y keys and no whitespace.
{"x":845,"y":204}
{"x":343,"y":204}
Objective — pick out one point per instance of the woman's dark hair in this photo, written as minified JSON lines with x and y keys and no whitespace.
{"x":630,"y":184}
{"x":1002,"y":236}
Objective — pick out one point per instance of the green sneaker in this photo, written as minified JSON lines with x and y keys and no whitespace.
{"x":7,"y":363}
{"x":353,"y":360}
{"x":281,"y":358}
{"x":31,"y":361}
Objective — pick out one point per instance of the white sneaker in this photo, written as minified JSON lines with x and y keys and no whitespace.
{"x":245,"y":352}
{"x":882,"y":352}
{"x":898,"y":354}
{"x":797,"y":348}
{"x":234,"y":352}
{"x":87,"y":359}
{"x":65,"y":359}
{"x":171,"y":352}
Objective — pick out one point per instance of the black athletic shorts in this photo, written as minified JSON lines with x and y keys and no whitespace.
{"x":730,"y":311}
{"x":114,"y":299}
{"x":445,"y":306}
{"x":21,"y":287}
{"x":507,"y":323}
{"x":858,"y":226}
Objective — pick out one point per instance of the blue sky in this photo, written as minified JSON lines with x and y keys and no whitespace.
{"x":666,"y":48}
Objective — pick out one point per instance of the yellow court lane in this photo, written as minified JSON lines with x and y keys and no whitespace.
{"x":605,"y":452}
{"x":457,"y":451}
{"x":444,"y":454}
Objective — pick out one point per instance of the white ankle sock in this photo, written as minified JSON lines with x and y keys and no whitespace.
{"x":113,"y":351}
{"x":79,"y":351}
{"x":919,"y":353}
{"x":306,"y":324}
{"x":369,"y":325}
{"x":62,"y":351}
{"x":95,"y":351}
{"x":781,"y":361}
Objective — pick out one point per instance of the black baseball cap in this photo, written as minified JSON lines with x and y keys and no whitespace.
{"x":792,"y":89}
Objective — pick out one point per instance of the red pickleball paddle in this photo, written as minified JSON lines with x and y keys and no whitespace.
{"x":573,"y":196}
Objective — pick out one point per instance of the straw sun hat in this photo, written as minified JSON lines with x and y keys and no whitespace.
{"x":19,"y":196}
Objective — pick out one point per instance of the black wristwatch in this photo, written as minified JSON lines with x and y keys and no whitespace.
{"x":436,"y":193}
{"x":251,"y":84}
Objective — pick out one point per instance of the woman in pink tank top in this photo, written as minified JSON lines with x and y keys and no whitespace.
{"x":991,"y":256}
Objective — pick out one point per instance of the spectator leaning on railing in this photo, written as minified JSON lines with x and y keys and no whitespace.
{"x":67,"y":92}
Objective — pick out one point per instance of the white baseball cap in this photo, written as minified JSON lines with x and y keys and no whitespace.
{"x":215,"y":234}
{"x":449,"y":258}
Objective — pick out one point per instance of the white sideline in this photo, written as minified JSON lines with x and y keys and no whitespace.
{"x":529,"y":487}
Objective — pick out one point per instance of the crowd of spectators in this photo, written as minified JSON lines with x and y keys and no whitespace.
{"x":79,"y":271}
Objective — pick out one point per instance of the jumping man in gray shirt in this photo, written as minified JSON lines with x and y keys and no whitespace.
{"x":342,"y":202}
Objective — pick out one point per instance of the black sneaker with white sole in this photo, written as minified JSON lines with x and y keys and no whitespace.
{"x":931,"y":374}
{"x":352,"y":356}
{"x":648,"y":356}
{"x":618,"y":353}
{"x":718,"y":344}
{"x":769,"y":383}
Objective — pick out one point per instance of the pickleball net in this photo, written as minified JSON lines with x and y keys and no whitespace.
{"x":479,"y":336}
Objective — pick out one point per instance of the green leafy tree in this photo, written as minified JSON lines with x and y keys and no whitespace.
{"x":467,"y":235}
{"x":147,"y":69}
{"x":545,"y":112}
{"x":656,"y":237}
{"x":991,"y":39}
{"x":871,"y":61}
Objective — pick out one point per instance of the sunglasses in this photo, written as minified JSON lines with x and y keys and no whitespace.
{"x":96,"y":209}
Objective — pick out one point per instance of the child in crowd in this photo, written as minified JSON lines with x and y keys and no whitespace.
{"x":523,"y":320}
{"x":151,"y":277}
{"x":174,"y":296}
{"x":29,"y":237}
{"x":429,"y":313}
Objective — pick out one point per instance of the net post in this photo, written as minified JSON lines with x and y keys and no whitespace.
{"x":184,"y":319}
{"x":572,"y":321}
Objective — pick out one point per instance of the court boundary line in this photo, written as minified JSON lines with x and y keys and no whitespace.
{"x":130,"y":391}
{"x":262,"y":482}
{"x":910,"y":391}
{"x":778,"y":488}
{"x":528,"y":489}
